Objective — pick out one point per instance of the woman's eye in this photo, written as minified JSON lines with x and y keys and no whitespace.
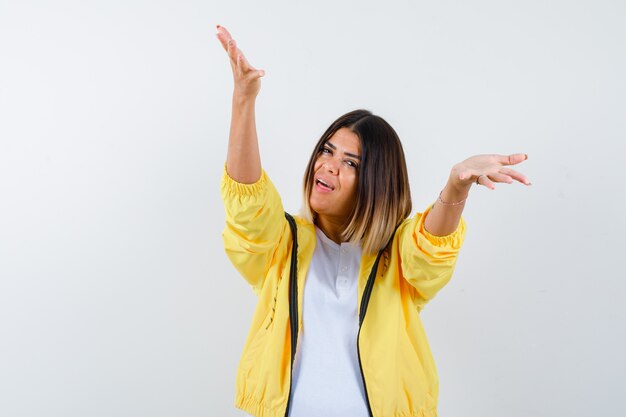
{"x":351,"y":163}
{"x":326,"y":150}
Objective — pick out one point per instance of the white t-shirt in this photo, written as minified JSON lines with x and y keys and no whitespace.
{"x":326,"y":378}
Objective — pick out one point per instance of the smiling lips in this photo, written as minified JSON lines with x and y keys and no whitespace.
{"x":324,"y":185}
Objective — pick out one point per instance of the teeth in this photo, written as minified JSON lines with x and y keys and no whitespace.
{"x":323,"y":183}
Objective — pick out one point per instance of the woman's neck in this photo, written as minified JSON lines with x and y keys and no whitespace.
{"x":331,"y":227}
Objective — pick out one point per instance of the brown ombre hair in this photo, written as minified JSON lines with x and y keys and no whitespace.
{"x":383,"y":193}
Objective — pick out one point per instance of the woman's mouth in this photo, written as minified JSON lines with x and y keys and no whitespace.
{"x":322,"y":186}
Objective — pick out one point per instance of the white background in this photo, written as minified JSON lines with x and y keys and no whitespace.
{"x":116,"y":297}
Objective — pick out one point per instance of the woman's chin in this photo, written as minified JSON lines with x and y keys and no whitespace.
{"x":325,"y":208}
{"x":317,"y":209}
{"x":322,"y":205}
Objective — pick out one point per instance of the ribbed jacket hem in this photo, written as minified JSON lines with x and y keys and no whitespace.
{"x":255,"y":408}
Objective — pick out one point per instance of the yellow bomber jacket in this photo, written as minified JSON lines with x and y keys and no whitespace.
{"x":397,"y":366}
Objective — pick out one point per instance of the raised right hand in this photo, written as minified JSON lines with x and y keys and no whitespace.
{"x":247,"y":78}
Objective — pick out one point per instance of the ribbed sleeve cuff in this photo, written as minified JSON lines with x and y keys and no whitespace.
{"x":231,"y":187}
{"x":452,"y":241}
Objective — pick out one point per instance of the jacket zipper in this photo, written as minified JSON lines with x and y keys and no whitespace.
{"x":293,"y":300}
{"x":364,"y":302}
{"x":293,"y":307}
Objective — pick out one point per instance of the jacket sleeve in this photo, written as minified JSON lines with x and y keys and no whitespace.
{"x":428,"y":261}
{"x":255,"y":221}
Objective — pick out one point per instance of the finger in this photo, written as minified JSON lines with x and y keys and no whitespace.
{"x":240,"y":64}
{"x":232,"y":54}
{"x":468,"y":175}
{"x":243,"y":62}
{"x":247,"y":68}
{"x":220,"y":37}
{"x":498,"y":177}
{"x":476,"y":177}
{"x":512,"y":159}
{"x":516,"y":175}
{"x":232,"y":50}
{"x":225,"y":31}
{"x":229,"y":43}
{"x":223,"y":36}
{"x":484,"y":180}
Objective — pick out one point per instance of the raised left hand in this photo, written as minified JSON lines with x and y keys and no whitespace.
{"x":487,"y":169}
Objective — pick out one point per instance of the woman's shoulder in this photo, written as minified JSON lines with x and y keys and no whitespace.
{"x":304,"y":224}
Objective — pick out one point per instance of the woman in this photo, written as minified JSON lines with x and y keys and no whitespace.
{"x":343,"y":335}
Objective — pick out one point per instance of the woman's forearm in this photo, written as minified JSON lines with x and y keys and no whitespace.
{"x":443,"y":219}
{"x":243,"y":162}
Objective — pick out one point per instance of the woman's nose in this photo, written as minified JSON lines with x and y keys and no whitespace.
{"x":332,"y":166}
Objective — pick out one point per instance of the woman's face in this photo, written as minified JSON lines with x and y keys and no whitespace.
{"x":335,"y":178}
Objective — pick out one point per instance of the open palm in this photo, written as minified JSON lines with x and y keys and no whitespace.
{"x":247,"y":78}
{"x":488,"y":169}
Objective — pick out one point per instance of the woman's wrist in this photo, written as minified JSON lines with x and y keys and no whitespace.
{"x":453,"y":195}
{"x":455,"y":189}
{"x":242,"y":99}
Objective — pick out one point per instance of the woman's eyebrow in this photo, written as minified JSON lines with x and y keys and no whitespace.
{"x":347,"y":153}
